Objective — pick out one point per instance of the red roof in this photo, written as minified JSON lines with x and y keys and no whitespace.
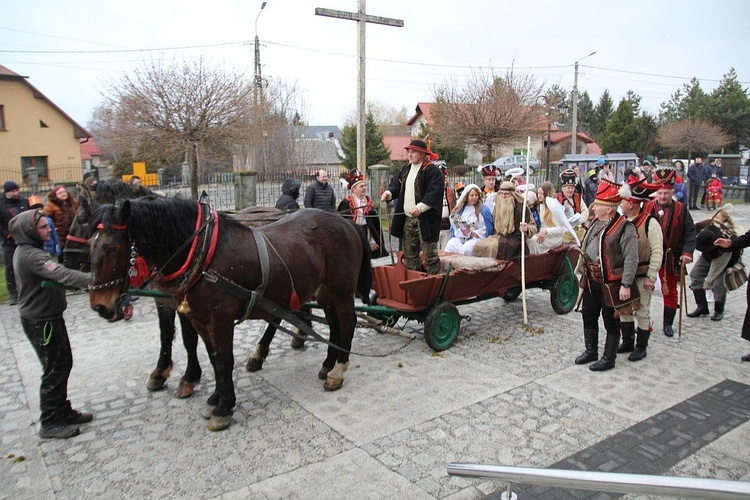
{"x":90,"y":149}
{"x":396,"y":145}
{"x":423,"y":108}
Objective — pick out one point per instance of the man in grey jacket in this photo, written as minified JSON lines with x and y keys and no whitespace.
{"x":41,"y":311}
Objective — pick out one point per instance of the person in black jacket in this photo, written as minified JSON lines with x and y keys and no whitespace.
{"x":10,"y":206}
{"x":319,"y":194}
{"x":419,"y":188}
{"x":289,"y":195}
{"x":735,"y":244}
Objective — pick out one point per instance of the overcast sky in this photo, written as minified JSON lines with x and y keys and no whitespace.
{"x":69,"y":50}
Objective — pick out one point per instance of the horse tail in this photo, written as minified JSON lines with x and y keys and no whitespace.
{"x":364,"y":281}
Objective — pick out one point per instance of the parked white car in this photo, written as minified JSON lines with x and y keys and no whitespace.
{"x":506,"y":162}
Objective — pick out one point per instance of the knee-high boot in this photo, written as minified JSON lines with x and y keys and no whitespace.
{"x":591,"y":341}
{"x":641,"y":344}
{"x":628,"y":337}
{"x":700,"y":300}
{"x":669,"y":315}
{"x":610,"y":354}
{"x":718,"y":311}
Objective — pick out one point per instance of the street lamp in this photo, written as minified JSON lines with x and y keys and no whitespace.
{"x":573,"y":136}
{"x":258,"y":79}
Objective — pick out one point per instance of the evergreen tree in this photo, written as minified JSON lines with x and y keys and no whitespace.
{"x":585,"y":114}
{"x":375,"y":150}
{"x":602,"y":114}
{"x":696,"y":103}
{"x":621,"y":133}
{"x":730,"y":108}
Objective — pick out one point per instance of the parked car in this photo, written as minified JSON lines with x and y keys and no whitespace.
{"x":733,"y":181}
{"x":506,"y":162}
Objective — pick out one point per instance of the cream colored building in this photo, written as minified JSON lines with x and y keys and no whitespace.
{"x":34,"y":132}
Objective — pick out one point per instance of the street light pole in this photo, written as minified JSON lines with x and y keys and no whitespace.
{"x":258,"y":78}
{"x":574,"y":128}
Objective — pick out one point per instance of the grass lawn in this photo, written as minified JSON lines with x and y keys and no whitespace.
{"x":3,"y":287}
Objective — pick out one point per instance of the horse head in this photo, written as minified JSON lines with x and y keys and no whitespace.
{"x":110,"y":260}
{"x":76,"y":251}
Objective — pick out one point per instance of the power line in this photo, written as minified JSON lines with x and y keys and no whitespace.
{"x":656,"y":75}
{"x":186,"y":47}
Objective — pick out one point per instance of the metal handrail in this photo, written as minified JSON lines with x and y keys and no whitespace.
{"x":686,"y":487}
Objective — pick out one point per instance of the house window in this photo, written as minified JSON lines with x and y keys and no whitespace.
{"x":38,"y":162}
{"x":2,"y":118}
{"x":42,"y":124}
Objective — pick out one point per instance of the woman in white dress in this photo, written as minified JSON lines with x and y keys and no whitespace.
{"x":467,"y":222}
{"x":549,"y":236}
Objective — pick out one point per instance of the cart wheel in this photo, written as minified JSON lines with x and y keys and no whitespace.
{"x":512,"y":294}
{"x":564,"y":293}
{"x":441,"y":326}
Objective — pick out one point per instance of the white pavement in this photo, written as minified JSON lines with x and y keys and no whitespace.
{"x":503,"y":394}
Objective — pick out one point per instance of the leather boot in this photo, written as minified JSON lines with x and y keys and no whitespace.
{"x":628,"y":337}
{"x":641,"y":344}
{"x":701,"y":302}
{"x":669,"y":315}
{"x":591,"y":341}
{"x":718,"y":311}
{"x":610,"y":354}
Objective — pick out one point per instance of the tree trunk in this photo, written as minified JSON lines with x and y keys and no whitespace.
{"x":194,"y":172}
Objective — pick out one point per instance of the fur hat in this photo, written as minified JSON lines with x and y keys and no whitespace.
{"x":608,"y":193}
{"x":353,"y":178}
{"x":421,"y":146}
{"x":664,"y":177}
{"x":568,"y":177}
{"x":488,"y":170}
{"x":10,"y":186}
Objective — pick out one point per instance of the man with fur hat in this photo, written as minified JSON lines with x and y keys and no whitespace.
{"x":575,"y":207}
{"x":708,"y":271}
{"x":418,"y":187}
{"x":507,"y":215}
{"x":11,"y":205}
{"x":359,"y":208}
{"x":609,"y":258}
{"x":489,"y":175}
{"x":650,"y":252}
{"x":678,"y":232}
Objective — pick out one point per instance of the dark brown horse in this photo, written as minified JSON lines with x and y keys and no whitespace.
{"x":76,"y":256}
{"x":308,"y":255}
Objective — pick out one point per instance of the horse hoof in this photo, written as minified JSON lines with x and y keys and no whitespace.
{"x":208,"y":412}
{"x":185,"y":389}
{"x":254,"y":365}
{"x":219,"y":423}
{"x":156,"y":384}
{"x":298,"y":344}
{"x":323,"y":373}
{"x":333,"y":384}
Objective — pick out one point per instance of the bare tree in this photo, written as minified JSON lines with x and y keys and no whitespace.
{"x":489,"y":110}
{"x":183,"y":106}
{"x":692,"y":135}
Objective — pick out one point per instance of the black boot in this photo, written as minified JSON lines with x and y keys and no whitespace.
{"x":640,"y":345}
{"x":610,"y":354}
{"x":591,"y":341}
{"x":669,"y":315}
{"x":628,"y":337}
{"x":701,"y":302}
{"x":718,"y":311}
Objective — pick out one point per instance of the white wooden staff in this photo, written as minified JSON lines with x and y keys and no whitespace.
{"x":523,"y":236}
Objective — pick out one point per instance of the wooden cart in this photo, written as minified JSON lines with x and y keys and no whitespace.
{"x":433,"y":299}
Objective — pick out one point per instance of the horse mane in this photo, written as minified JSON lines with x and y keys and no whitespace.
{"x":112,"y":190}
{"x":173,"y":219}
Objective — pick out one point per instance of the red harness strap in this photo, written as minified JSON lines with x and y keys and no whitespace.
{"x":189,"y":259}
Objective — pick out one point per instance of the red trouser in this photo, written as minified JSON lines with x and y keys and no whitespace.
{"x":669,"y":284}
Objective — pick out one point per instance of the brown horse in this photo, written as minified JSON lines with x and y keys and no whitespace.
{"x":308,"y":255}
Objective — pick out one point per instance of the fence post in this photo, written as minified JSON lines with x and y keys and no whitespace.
{"x":33,"y":175}
{"x":102,"y":173}
{"x":245,"y":183}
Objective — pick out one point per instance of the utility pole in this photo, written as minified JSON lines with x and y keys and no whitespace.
{"x":259,"y":104}
{"x":361,"y":17}
{"x":574,"y":128}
